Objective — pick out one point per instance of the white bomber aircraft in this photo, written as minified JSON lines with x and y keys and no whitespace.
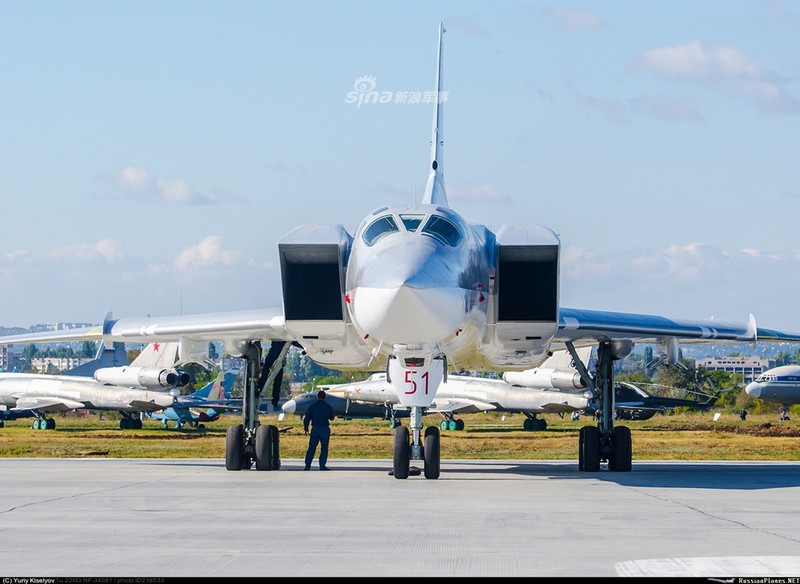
{"x":419,"y":291}
{"x":148,"y":384}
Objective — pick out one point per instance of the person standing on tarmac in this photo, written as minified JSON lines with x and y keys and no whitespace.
{"x":319,"y":415}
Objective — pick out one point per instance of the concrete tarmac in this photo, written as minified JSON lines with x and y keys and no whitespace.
{"x":191,"y":517}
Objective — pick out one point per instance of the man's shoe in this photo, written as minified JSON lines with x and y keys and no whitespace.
{"x":324,"y":468}
{"x":307,"y":468}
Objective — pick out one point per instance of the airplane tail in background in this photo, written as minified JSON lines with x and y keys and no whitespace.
{"x":219,"y":389}
{"x":116,"y":356}
{"x":157,"y":355}
{"x":434,"y":190}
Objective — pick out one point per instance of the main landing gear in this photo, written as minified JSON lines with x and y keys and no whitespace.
{"x":604,"y":442}
{"x":533,"y":423}
{"x":451,"y":423}
{"x":44,"y":424}
{"x":130,"y":422}
{"x":250,"y":442}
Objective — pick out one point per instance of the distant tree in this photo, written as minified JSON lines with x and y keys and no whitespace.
{"x":29,"y":352}
{"x":132,"y":354}
{"x":88,"y":349}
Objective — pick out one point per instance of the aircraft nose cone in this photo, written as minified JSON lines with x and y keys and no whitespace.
{"x":753,"y":390}
{"x":289,"y":407}
{"x":405,"y":314}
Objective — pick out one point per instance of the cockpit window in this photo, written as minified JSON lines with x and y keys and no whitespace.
{"x":379,"y":228}
{"x":444,"y":230}
{"x":411,"y":222}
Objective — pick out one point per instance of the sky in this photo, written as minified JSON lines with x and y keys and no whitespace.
{"x":152,"y":153}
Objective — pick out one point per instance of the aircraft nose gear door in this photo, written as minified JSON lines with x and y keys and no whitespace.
{"x":416,"y":379}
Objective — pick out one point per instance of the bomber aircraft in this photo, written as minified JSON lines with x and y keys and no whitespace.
{"x":419,"y":291}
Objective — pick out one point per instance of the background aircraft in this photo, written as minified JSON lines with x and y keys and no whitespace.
{"x":779,"y":384}
{"x":419,"y":291}
{"x":34,"y":394}
{"x":204,"y":405}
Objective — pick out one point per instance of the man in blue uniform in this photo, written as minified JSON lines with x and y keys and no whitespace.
{"x":319,"y":415}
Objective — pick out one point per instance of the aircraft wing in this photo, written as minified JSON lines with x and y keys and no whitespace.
{"x":235,"y":326}
{"x":465,"y":406}
{"x":145,"y":406}
{"x":47,"y":404}
{"x":578,"y":324}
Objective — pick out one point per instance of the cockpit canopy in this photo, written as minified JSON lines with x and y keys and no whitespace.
{"x":433,"y":225}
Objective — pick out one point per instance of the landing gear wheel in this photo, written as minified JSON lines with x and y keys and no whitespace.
{"x":541,"y":424}
{"x":621,"y":449}
{"x":124,"y":424}
{"x":50,"y":424}
{"x":432,"y":453}
{"x":234,"y":447}
{"x":527,"y":424}
{"x":394,"y":423}
{"x":136,"y":423}
{"x":402,"y":453}
{"x":452,"y":425}
{"x":35,"y":424}
{"x":443,"y":425}
{"x":589,"y":449}
{"x":459,"y":424}
{"x":264,"y":448}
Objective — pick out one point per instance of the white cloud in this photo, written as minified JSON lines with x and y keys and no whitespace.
{"x":476,"y":192}
{"x":107,"y":250}
{"x":137,"y":182}
{"x":574,"y":19}
{"x":722,"y":68}
{"x":205,"y":254}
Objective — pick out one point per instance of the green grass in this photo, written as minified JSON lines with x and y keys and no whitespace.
{"x":692,"y":436}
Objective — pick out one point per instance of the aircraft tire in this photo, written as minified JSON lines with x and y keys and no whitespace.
{"x":541,"y":424}
{"x":264,"y":448}
{"x":432,"y":453}
{"x":452,"y":425}
{"x":276,"y":447}
{"x":35,"y":424}
{"x":137,"y":424}
{"x":459,"y":424}
{"x":123,"y":424}
{"x":234,"y":447}
{"x":589,"y":449}
{"x":443,"y":425}
{"x":50,"y":424}
{"x":621,"y":449}
{"x":527,"y":424}
{"x":401,"y":458}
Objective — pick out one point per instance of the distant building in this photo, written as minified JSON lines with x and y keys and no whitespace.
{"x":56,"y":364}
{"x":748,"y":367}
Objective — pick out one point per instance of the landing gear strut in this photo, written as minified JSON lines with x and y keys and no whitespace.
{"x":250,"y":442}
{"x":604,"y":442}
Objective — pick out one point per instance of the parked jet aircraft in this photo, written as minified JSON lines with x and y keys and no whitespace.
{"x":557,"y":384}
{"x":420,"y":291}
{"x":35,"y":394}
{"x":375,"y":398}
{"x":779,"y":384}
{"x":204,"y":405}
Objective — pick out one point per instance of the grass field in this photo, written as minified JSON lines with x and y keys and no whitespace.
{"x":692,"y":436}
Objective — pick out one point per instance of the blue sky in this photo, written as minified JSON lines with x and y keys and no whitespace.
{"x":153,"y":153}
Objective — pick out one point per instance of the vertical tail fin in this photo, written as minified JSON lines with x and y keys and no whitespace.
{"x":434,"y":190}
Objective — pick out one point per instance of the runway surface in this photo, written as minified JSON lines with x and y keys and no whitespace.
{"x":191,"y":517}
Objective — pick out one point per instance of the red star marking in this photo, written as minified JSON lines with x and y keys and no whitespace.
{"x":155,"y":346}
